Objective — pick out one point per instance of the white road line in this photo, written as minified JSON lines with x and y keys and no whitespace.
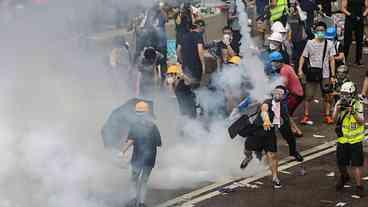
{"x":249,"y":180}
{"x":197,"y":195}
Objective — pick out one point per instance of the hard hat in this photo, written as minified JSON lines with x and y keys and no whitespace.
{"x":275,"y":56}
{"x":276,"y":36}
{"x":141,"y":106}
{"x":330,"y":33}
{"x":342,"y":69}
{"x":348,"y":87}
{"x":234,"y":60}
{"x":278,"y":27}
{"x":176,"y":69}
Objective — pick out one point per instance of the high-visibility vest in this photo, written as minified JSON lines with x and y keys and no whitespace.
{"x":278,"y":11}
{"x":353,"y":132}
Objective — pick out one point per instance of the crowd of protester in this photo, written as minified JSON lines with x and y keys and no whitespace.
{"x":308,"y":53}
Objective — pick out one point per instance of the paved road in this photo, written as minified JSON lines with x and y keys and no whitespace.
{"x":314,"y":189}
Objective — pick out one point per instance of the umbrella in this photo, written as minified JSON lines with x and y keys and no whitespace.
{"x":115,"y":130}
{"x":243,"y":122}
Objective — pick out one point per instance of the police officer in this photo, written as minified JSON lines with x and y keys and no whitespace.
{"x":349,"y":118}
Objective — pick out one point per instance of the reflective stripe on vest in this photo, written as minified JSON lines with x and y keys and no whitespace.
{"x":278,"y":11}
{"x":353,"y":131}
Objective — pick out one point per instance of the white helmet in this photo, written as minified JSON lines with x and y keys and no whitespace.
{"x":348,"y":87}
{"x":276,"y":36}
{"x":278,"y":27}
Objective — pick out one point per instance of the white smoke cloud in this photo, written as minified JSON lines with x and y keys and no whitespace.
{"x":55,"y":99}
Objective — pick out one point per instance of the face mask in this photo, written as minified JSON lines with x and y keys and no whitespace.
{"x":273,"y":46}
{"x":277,"y":95}
{"x":170,"y":80}
{"x":319,"y":35}
{"x":227,"y":38}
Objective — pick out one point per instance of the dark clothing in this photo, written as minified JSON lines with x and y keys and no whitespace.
{"x":285,"y":57}
{"x":190,"y":55}
{"x":182,"y":26}
{"x":326,"y":6}
{"x":350,"y":154}
{"x":186,"y":99}
{"x":146,"y":139}
{"x":354,"y":22}
{"x":288,"y":135}
{"x":351,"y":25}
{"x":262,"y":140}
{"x":356,"y":8}
{"x":266,"y":140}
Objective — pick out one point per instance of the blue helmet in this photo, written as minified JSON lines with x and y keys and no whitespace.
{"x":275,"y":56}
{"x":331,"y":33}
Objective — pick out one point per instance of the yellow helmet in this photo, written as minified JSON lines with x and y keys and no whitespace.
{"x":234,"y":60}
{"x":141,"y":106}
{"x":176,"y":69}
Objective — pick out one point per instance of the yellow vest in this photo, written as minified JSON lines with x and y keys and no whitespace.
{"x":352,"y":131}
{"x":278,"y":11}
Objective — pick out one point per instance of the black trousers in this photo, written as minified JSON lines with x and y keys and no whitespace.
{"x":287,"y":134}
{"x":357,"y":26}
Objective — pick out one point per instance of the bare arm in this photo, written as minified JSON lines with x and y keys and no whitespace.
{"x":366,"y":8}
{"x":231,"y":51}
{"x":301,"y":64}
{"x":340,"y":56}
{"x":344,"y":7}
{"x":128,"y":144}
{"x":333,"y":68}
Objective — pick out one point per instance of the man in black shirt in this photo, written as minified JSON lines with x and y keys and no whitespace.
{"x":145,"y":137}
{"x":355,"y":11}
{"x":228,"y":47}
{"x":191,"y":53}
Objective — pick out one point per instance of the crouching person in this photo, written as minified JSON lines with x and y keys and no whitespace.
{"x":145,"y":137}
{"x":269,"y":117}
{"x":349,"y":117}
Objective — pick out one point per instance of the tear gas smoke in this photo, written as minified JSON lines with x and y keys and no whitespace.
{"x":55,"y":99}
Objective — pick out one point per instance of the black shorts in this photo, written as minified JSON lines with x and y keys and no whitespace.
{"x":262,"y":140}
{"x":350,"y":154}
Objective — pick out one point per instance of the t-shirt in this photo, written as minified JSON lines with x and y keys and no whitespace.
{"x":293,"y":84}
{"x":147,"y":138}
{"x":190,"y":55}
{"x":314,"y":51}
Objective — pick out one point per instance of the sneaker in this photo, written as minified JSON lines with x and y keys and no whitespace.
{"x":245,"y":162}
{"x":276,"y":183}
{"x":328,"y":120}
{"x":298,"y":157}
{"x":359,"y":191}
{"x":341,"y":183}
{"x":306,"y":120}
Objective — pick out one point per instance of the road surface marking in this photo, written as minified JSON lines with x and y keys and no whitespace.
{"x":212,"y":190}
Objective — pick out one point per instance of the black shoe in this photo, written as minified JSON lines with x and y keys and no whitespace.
{"x":276,"y":183}
{"x":341,"y":183}
{"x":298,"y":157}
{"x":359,"y":191}
{"x":245,"y":162}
